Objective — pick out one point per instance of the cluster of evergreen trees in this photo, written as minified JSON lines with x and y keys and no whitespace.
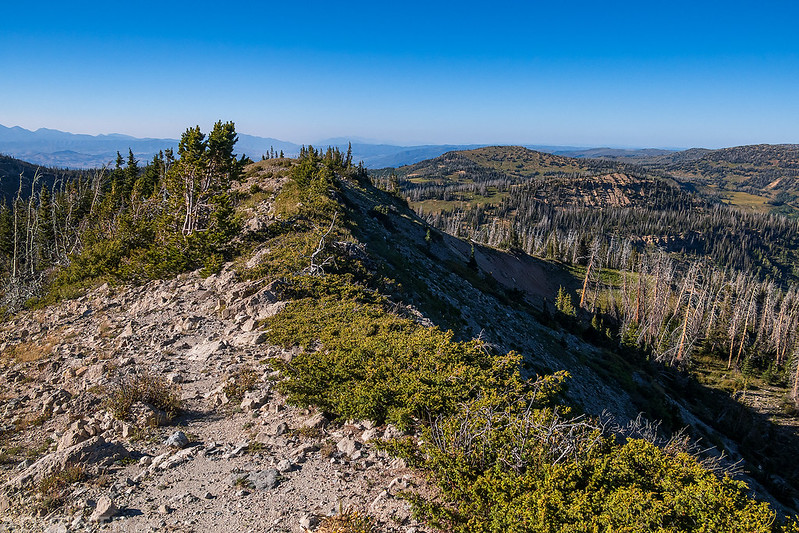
{"x":131,"y":222}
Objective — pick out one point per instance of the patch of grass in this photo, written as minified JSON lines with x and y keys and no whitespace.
{"x":26,"y":352}
{"x":327,"y":449}
{"x":142,"y":387}
{"x":53,"y":489}
{"x":255,"y":447}
{"x":347,"y":521}
{"x":241,"y":382}
{"x":309,"y":433}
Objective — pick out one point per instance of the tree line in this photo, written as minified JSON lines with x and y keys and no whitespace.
{"x":130,"y":222}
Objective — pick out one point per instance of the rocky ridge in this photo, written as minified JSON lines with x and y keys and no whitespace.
{"x":233,"y":460}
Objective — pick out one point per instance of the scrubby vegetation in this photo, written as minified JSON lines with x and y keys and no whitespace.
{"x":130,"y":223}
{"x":347,"y":521}
{"x":144,"y":387}
{"x":505,"y":455}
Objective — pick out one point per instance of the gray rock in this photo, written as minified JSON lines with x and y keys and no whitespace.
{"x":146,"y":415}
{"x":265,"y":479}
{"x":72,"y":437}
{"x":316,"y":421}
{"x":284,"y":466}
{"x":392,"y":432}
{"x":95,"y":453}
{"x":104,"y":510}
{"x":281,"y":429}
{"x":254,"y":400}
{"x":348,"y":446}
{"x":175,"y":377}
{"x":370,"y":434}
{"x":177,"y":440}
{"x":203,"y":351}
{"x":308,"y":522}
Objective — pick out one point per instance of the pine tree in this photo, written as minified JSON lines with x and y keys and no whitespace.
{"x":563,"y":303}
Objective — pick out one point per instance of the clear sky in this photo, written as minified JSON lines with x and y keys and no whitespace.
{"x":642,"y":74}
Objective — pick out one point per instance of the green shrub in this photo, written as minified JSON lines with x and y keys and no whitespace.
{"x":517,"y":465}
{"x":376,"y":365}
{"x":142,"y":387}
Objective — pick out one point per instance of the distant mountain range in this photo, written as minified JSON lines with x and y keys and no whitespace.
{"x":54,"y":148}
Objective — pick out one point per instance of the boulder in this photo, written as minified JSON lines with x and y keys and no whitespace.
{"x":94,"y":453}
{"x":348,"y":446}
{"x":177,"y":439}
{"x":264,"y":479}
{"x":104,"y":510}
{"x":316,"y":421}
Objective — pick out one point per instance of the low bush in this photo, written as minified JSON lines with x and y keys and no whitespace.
{"x":348,"y":521}
{"x":375,"y":365}
{"x":517,"y":464}
{"x":142,"y":387}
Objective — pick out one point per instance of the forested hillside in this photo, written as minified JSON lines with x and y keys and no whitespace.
{"x":22,"y":178}
{"x":692,"y":282}
{"x":760,"y":177}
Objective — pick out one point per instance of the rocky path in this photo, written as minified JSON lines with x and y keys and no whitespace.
{"x":236,"y":458}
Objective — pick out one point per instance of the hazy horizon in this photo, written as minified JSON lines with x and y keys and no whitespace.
{"x":628,"y":75}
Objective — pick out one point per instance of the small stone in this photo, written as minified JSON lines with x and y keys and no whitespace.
{"x":316,"y":421}
{"x":398,"y":482}
{"x":78,"y":521}
{"x":398,"y":464}
{"x":56,"y":528}
{"x":284,"y":466}
{"x":308,"y":522}
{"x":104,"y":510}
{"x":164,"y":509}
{"x":208,"y":496}
{"x":392,"y":432}
{"x":370,"y":434}
{"x":348,"y":445}
{"x":158,"y":460}
{"x":174,"y":378}
{"x":177,"y":440}
{"x":281,"y":429}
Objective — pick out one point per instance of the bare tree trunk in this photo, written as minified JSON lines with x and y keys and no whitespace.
{"x":16,"y":226}
{"x":746,"y":325}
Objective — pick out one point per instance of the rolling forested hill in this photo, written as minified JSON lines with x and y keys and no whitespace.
{"x":757,"y":177}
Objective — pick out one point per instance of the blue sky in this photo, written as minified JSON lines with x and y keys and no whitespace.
{"x":666,"y":74}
